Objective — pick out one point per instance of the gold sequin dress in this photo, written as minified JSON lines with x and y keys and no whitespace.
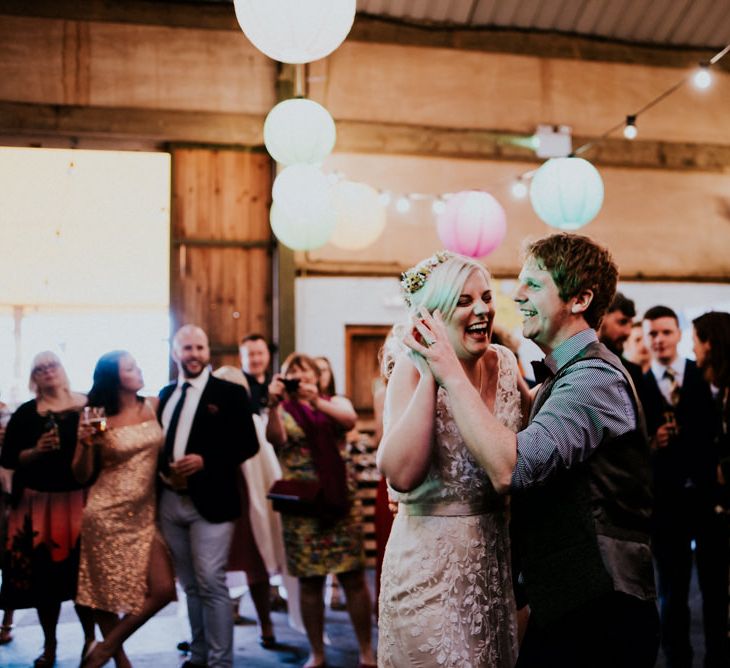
{"x":118,"y":524}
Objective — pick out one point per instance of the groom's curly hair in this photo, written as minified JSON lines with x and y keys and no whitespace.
{"x":577,"y":263}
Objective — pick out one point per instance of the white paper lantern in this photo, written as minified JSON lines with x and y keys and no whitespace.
{"x":299,"y":131}
{"x":302,"y":190}
{"x":301,"y":232}
{"x":359,"y":213}
{"x":567,"y":193}
{"x":295,"y":31}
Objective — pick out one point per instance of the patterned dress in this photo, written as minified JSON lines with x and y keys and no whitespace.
{"x":118,"y":524}
{"x":446,"y":596}
{"x":41,"y":559}
{"x":313,"y":549}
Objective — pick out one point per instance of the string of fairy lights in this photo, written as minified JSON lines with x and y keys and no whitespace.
{"x":701,"y":78}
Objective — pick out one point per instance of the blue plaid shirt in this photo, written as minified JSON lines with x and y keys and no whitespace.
{"x":591,"y":402}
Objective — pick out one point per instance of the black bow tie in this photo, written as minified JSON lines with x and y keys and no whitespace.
{"x":542,"y":371}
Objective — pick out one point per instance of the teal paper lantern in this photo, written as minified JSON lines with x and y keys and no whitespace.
{"x":567,"y":193}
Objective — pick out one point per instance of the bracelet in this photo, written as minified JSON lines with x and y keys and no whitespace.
{"x":273,"y":403}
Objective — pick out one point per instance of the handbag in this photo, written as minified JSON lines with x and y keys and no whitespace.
{"x":304,"y":498}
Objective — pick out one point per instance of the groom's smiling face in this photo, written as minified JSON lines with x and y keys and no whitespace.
{"x":544,"y":313}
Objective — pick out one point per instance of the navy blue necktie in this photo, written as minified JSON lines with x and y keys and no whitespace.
{"x":172,"y":427}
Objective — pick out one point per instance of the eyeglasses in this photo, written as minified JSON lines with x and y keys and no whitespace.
{"x":42,"y":368}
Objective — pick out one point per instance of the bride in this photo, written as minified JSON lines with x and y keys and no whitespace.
{"x":446,"y":596}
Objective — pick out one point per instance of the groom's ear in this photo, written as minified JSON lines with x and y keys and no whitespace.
{"x":581,"y":302}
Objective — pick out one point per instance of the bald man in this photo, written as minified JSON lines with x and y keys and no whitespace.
{"x":208,"y":433}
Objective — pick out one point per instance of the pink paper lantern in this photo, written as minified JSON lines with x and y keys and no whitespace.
{"x":473,"y":223}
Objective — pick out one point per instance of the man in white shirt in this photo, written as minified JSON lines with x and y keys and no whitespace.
{"x":208,"y":433}
{"x":682,"y":424}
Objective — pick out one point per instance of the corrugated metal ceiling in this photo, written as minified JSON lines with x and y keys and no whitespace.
{"x":695,"y":23}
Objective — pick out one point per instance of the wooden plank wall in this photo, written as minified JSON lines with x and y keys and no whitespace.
{"x":221,"y":249}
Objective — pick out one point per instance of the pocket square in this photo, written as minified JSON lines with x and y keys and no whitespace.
{"x":212,"y":409}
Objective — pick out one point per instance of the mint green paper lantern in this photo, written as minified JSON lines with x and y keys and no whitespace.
{"x":567,"y":193}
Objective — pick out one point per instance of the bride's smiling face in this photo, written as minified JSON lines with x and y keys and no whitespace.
{"x":470,"y":326}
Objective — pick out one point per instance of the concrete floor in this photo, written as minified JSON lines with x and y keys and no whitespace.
{"x":154,"y":645}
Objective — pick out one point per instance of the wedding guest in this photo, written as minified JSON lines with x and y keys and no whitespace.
{"x":209,"y":433}
{"x":42,"y":549}
{"x":682,"y":420}
{"x":6,"y":477}
{"x":126,"y":572}
{"x":257,"y":547}
{"x":711,"y":343}
{"x":327,"y":388}
{"x":308,"y":429}
{"x":255,"y":353}
{"x":635,"y":349}
{"x":446,"y":596}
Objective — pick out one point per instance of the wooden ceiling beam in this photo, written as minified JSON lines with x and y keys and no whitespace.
{"x":162,"y":127}
{"x":370,"y":28}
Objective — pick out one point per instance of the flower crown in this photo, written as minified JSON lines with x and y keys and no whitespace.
{"x":413,"y":279}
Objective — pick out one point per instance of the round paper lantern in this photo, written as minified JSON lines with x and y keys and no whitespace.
{"x":302,"y":190}
{"x":295,"y":31}
{"x":359,"y":213}
{"x":299,"y":131}
{"x":473,"y":223}
{"x":301,"y":232}
{"x":567,"y":193}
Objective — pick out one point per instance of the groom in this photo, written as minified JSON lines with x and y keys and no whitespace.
{"x":578,"y":473}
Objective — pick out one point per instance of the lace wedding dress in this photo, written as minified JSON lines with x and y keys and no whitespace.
{"x":446,"y":596}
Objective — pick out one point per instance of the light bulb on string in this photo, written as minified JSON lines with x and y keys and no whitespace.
{"x":519,"y":189}
{"x":702,"y":78}
{"x":438,"y":206}
{"x":384,"y":198}
{"x":630,"y":130}
{"x":403,"y":204}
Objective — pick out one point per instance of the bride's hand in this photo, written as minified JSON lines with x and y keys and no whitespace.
{"x":430,"y":340}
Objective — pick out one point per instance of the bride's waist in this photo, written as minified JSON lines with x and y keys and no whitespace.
{"x":446,"y":508}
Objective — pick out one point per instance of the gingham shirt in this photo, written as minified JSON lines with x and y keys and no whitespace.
{"x":590,"y":403}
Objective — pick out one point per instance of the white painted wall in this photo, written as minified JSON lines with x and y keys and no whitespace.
{"x":325,"y":305}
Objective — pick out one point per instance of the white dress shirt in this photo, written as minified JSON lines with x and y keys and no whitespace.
{"x":185,"y":423}
{"x":665,"y":385}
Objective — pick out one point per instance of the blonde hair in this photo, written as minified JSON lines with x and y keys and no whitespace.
{"x":44,"y":357}
{"x":232,"y":374}
{"x":442,"y":283}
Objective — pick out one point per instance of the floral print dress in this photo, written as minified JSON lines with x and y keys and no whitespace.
{"x":313,"y":548}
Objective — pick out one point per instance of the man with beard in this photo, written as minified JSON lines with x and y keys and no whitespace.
{"x":208,"y":433}
{"x":615,"y":330}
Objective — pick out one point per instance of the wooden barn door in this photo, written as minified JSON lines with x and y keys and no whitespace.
{"x":362,"y":343}
{"x":220,"y":263}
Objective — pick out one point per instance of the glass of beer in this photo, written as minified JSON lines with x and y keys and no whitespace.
{"x":95,"y":416}
{"x":670,"y":420}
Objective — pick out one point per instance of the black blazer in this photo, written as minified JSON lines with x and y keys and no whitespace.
{"x":223,"y":434}
{"x":690,"y":460}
